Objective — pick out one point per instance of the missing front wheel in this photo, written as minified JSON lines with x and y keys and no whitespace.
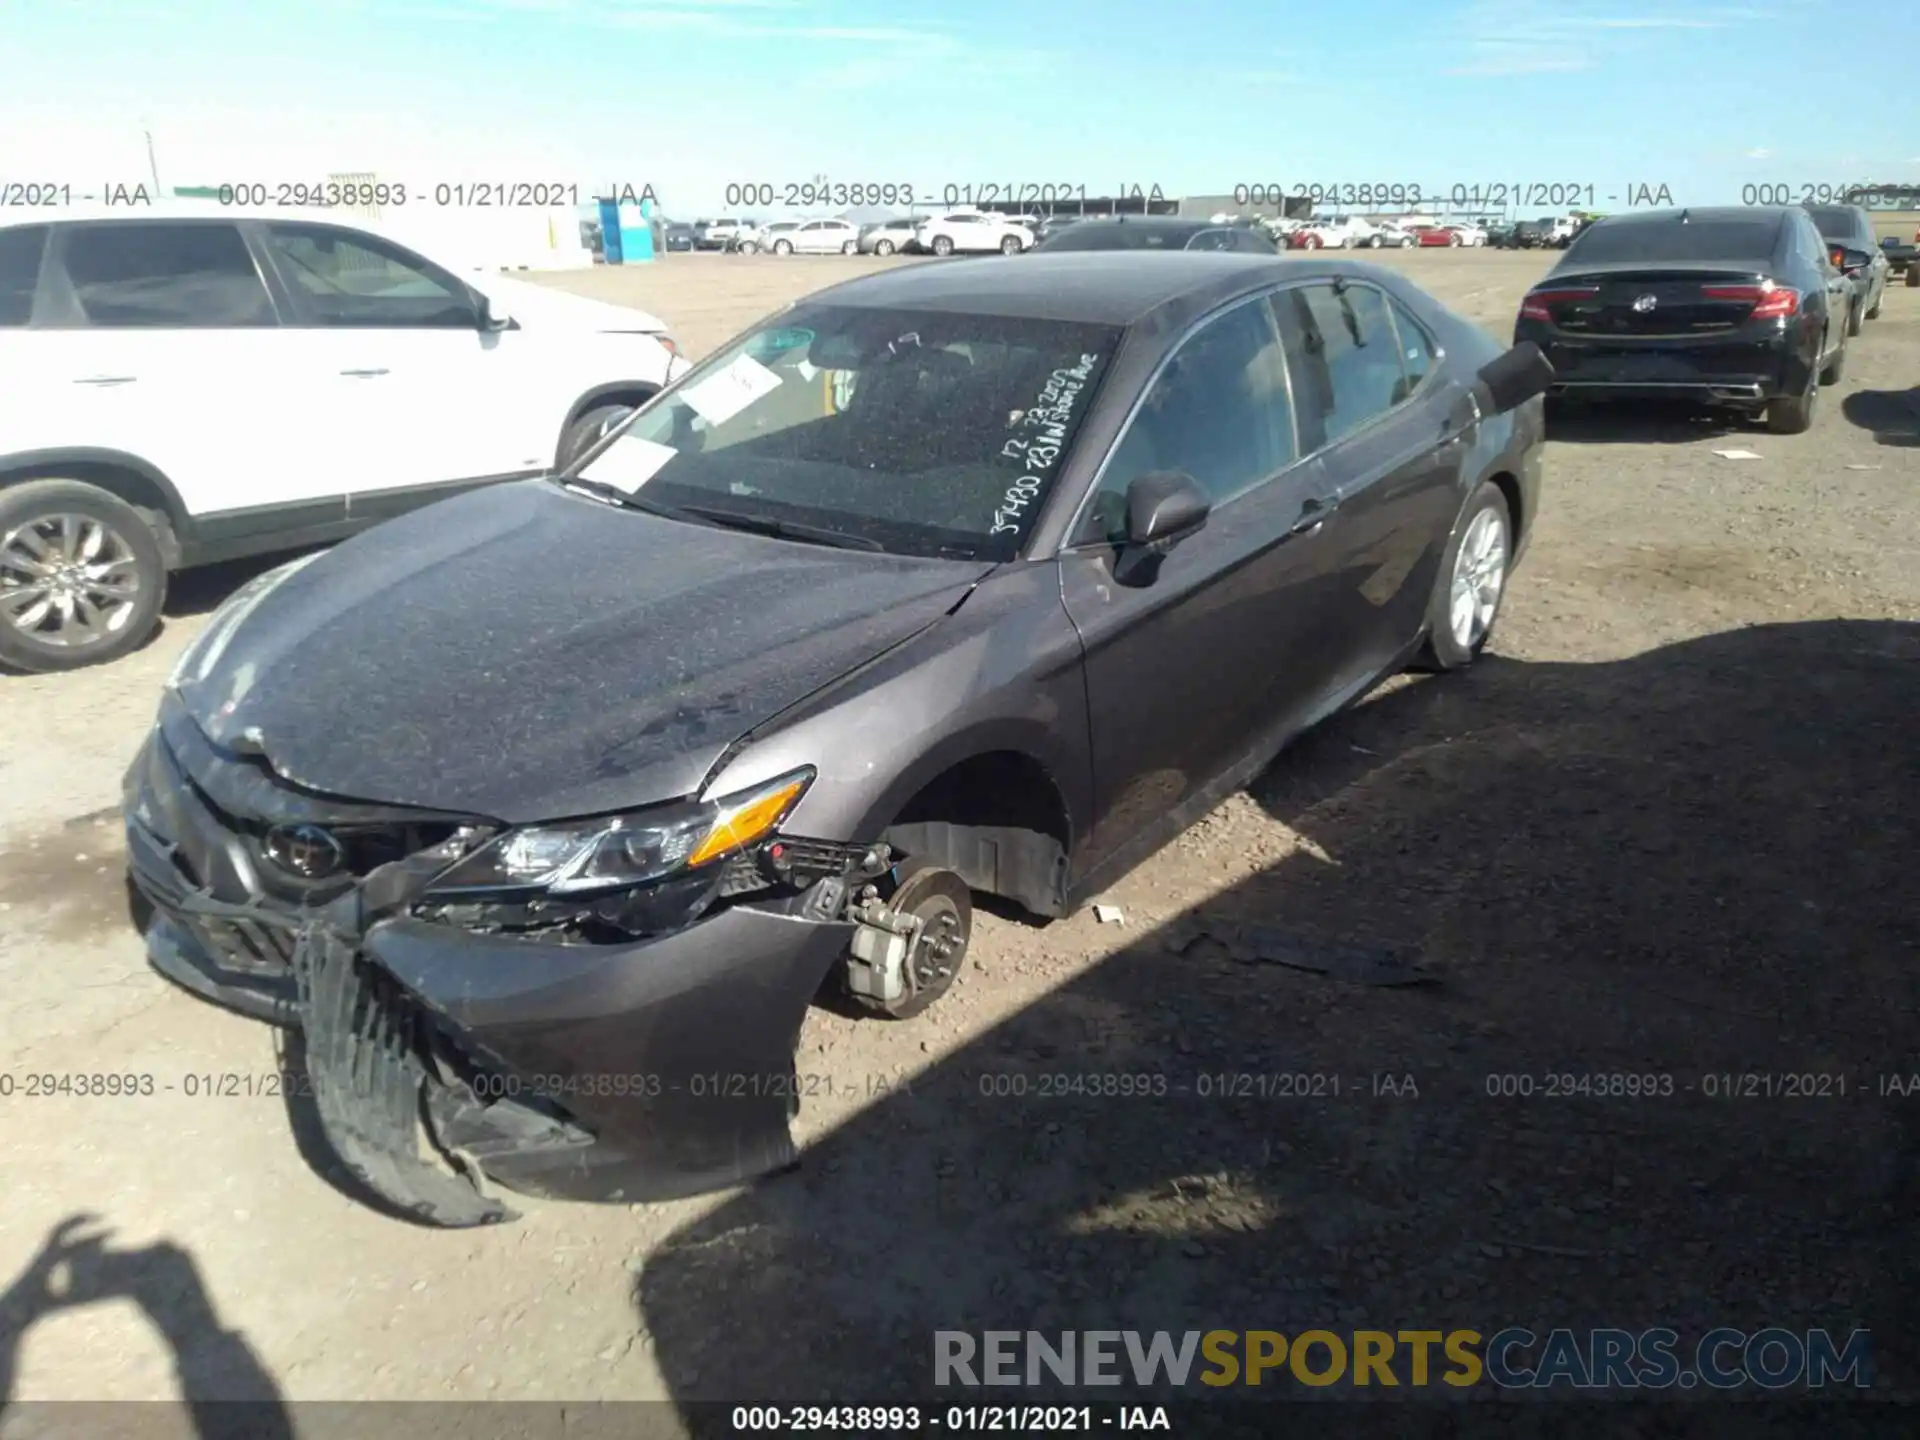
{"x":913,"y":927}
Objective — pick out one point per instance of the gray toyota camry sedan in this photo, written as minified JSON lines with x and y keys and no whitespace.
{"x":546,"y":811}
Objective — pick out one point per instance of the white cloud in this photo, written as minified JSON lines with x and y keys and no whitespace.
{"x":1533,"y":37}
{"x":1760,"y":152}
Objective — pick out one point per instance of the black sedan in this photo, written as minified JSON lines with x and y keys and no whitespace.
{"x":1156,"y":232}
{"x":676,"y":237}
{"x":546,"y":812}
{"x":1848,"y":230}
{"x":1736,"y":306}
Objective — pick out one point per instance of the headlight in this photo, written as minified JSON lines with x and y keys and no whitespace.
{"x":614,"y":852}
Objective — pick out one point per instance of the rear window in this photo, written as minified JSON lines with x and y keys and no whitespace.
{"x":19,"y":270}
{"x":1121,"y":237}
{"x":1835,"y":222}
{"x":1672,"y":240}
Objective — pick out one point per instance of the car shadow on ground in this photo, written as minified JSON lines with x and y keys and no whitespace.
{"x":1657,"y":422}
{"x":226,"y":1390}
{"x":1635,"y":882}
{"x":1892,"y":415}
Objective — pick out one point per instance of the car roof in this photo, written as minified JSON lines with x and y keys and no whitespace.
{"x":1099,"y":287}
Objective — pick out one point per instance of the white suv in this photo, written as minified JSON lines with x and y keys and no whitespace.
{"x":976,"y":232}
{"x":182,"y":388}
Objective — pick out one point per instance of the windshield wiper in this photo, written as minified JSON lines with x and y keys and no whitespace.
{"x":627,"y":498}
{"x":781,"y":529}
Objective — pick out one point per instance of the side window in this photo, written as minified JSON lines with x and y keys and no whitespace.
{"x":169,"y":276}
{"x":1416,"y":347}
{"x":20,"y":251}
{"x":1218,"y":410}
{"x":353,"y":279}
{"x":1348,"y":352}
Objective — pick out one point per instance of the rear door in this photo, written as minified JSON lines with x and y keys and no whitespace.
{"x":1369,"y":390}
{"x":1226,"y":649}
{"x":162,"y":339}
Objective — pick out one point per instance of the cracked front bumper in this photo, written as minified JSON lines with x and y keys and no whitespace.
{"x":642,"y":1071}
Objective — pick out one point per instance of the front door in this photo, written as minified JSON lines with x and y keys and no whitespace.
{"x":1190,"y":675}
{"x":438,"y":399}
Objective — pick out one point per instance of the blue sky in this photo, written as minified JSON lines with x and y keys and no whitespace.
{"x":1195,"y":97}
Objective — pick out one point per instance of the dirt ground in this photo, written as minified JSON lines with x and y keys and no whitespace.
{"x":1666,"y":828}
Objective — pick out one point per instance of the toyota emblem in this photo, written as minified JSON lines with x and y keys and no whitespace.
{"x":1644,"y":304}
{"x":308,"y":851}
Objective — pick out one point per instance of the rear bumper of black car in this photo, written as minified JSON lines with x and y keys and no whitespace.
{"x":643,"y":1071}
{"x":1739,"y":370}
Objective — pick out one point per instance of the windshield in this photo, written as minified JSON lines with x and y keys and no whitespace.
{"x":923,"y":433}
{"x":1637,"y":240}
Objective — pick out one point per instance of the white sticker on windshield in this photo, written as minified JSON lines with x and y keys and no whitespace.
{"x":806,"y":369}
{"x":629,"y":463}
{"x":720,"y":397}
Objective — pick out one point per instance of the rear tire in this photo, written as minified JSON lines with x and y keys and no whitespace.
{"x":1913,"y":276}
{"x":852,"y":247}
{"x":1011,"y":245}
{"x":584,"y":432}
{"x":1792,"y":414}
{"x":1480,"y":551}
{"x":121,"y":574}
{"x":1854,"y":319}
{"x":783,"y":247}
{"x":883,"y":247}
{"x":942,"y":245}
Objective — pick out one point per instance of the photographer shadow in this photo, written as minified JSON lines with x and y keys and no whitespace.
{"x":1686,"y":864}
{"x":226,"y":1391}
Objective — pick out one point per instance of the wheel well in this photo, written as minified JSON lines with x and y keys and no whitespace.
{"x":140,"y":491}
{"x":998,"y":820}
{"x":1510,"y":489}
{"x":635,"y":395}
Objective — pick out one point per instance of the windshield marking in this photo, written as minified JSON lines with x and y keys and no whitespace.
{"x":629,"y":463}
{"x":721,"y":396}
{"x":1039,"y":450}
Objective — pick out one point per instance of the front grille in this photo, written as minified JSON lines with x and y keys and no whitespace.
{"x":252,"y":947}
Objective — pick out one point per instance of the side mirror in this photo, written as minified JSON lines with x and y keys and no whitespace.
{"x":1514,"y":378}
{"x":1164,"y":507}
{"x":490,"y":318}
{"x":1855,"y":259}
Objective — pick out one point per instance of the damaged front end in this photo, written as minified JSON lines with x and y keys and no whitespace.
{"x":602,"y":1010}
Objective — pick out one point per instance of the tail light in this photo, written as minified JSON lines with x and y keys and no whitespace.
{"x":1534,"y":306}
{"x":1769,"y":301}
{"x":1837,"y":257}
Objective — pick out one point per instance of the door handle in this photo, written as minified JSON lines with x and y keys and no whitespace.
{"x":106,"y":380}
{"x":1313,"y":515}
{"x":364,"y":374}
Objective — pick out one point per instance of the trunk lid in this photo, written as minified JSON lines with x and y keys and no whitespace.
{"x":1648,"y":300}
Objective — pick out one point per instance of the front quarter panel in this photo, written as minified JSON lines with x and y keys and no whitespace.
{"x":1002,"y":673}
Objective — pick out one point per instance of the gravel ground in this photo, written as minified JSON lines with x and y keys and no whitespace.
{"x":1659,"y":831}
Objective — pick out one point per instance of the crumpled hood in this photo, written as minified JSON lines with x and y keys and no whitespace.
{"x":525,"y":653}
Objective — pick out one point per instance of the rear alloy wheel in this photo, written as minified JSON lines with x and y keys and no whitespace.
{"x":1011,"y":245}
{"x":883,"y":247}
{"x":1471,"y":583}
{"x":81,"y":576}
{"x":852,"y":247}
{"x":943,"y":245}
{"x":783,"y":247}
{"x":940,"y":900}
